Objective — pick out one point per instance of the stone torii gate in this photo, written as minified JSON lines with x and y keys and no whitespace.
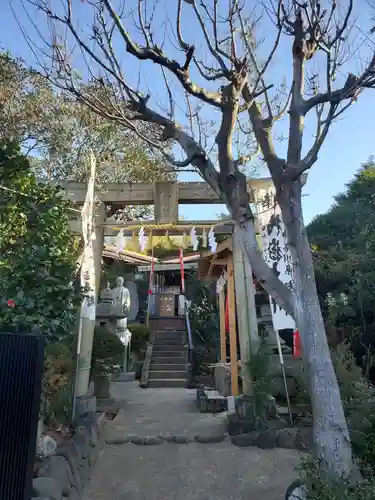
{"x":166,"y":197}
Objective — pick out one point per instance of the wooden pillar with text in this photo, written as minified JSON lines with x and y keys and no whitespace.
{"x":232,"y":327}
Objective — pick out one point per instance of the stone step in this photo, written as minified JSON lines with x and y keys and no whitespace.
{"x":169,"y":354}
{"x":168,"y":366}
{"x":168,"y":361}
{"x":170,"y":382}
{"x":169,"y":337}
{"x":170,"y":340}
{"x":169,"y":332}
{"x":168,"y":324}
{"x":168,"y":347}
{"x":175,"y":374}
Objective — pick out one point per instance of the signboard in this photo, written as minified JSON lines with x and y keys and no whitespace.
{"x":277,"y":256}
{"x":88,"y":281}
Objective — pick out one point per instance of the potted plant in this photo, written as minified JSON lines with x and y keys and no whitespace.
{"x":107,"y":357}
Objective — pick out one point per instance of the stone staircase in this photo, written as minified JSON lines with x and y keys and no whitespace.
{"x":168,"y":360}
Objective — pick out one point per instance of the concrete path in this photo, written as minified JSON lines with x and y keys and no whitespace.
{"x":181,"y":470}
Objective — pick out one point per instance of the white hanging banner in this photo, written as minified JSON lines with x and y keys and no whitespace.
{"x":212,"y":240}
{"x":277,"y":256}
{"x":88,"y":278}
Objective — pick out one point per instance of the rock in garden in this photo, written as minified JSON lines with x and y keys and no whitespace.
{"x":175,"y":438}
{"x":150,"y":440}
{"x":244,"y":440}
{"x":47,"y":487}
{"x":117,"y":440}
{"x":58,"y":469}
{"x":286,"y":438}
{"x":267,"y":439}
{"x":305,"y":439}
{"x":210,"y":437}
{"x":69,"y":452}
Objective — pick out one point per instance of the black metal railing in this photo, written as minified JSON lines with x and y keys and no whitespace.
{"x":191,"y":356}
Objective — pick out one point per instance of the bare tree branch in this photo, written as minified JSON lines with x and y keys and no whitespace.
{"x":157,"y":56}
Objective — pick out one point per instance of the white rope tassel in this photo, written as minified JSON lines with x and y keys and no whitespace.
{"x":142,"y":238}
{"x":120,"y":241}
{"x":194,"y":239}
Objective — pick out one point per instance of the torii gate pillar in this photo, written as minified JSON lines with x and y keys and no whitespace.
{"x":98,"y":243}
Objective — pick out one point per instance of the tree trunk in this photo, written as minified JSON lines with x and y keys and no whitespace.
{"x":331,"y":434}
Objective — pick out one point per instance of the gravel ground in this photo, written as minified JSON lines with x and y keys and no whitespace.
{"x":193,"y":470}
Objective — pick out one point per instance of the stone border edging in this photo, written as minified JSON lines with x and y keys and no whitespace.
{"x":297,"y":438}
{"x":64,"y":473}
{"x":289,"y":438}
{"x":204,"y":437}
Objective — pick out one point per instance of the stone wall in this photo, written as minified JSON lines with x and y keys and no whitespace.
{"x":63,"y":474}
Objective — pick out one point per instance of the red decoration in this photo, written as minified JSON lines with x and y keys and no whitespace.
{"x":297,"y":348}
{"x":11,"y":303}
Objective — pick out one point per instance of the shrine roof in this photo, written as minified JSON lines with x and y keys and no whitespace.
{"x":127,"y":256}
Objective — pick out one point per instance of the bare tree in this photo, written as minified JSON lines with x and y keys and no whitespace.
{"x":228,"y":71}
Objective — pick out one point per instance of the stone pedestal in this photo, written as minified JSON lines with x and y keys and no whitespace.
{"x":125,"y":336}
{"x":222,"y":374}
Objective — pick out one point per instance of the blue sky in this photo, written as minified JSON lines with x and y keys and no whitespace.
{"x":349,"y":143}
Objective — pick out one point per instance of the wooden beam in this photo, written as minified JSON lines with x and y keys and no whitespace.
{"x":211,"y":265}
{"x":220,"y":262}
{"x":232,"y":328}
{"x":223,"y":344}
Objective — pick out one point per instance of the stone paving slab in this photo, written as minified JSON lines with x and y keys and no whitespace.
{"x":182,"y":471}
{"x":155,"y":412}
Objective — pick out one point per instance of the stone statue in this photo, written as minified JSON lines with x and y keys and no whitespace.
{"x":121,"y":296}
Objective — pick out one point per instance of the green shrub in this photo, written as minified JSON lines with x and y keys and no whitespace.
{"x":204,"y":323}
{"x":37,"y":252}
{"x":319,"y":487}
{"x":262,"y":387}
{"x":359,"y":404}
{"x":107,"y":353}
{"x":140,"y":337}
{"x":58,"y":382}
